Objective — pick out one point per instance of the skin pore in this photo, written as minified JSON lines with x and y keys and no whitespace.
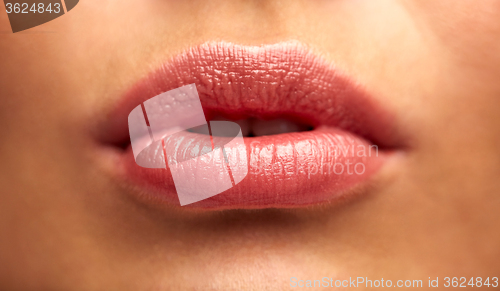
{"x":67,"y":224}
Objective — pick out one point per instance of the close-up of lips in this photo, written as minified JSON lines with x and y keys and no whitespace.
{"x":249,"y":145}
{"x":310,"y":132}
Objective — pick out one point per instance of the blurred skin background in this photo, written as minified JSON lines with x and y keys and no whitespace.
{"x":65,"y":224}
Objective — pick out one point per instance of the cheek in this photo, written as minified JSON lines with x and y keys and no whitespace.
{"x":469,"y":29}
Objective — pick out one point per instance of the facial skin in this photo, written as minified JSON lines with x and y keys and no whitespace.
{"x":67,"y":224}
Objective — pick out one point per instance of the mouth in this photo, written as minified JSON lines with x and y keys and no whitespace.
{"x":312,"y":135}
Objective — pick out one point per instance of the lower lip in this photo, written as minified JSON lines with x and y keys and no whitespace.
{"x":285,"y":170}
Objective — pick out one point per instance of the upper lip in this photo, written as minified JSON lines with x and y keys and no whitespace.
{"x":283,"y":80}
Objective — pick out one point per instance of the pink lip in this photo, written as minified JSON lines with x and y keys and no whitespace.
{"x":283,"y":80}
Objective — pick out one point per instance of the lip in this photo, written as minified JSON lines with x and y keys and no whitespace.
{"x":284,"y":80}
